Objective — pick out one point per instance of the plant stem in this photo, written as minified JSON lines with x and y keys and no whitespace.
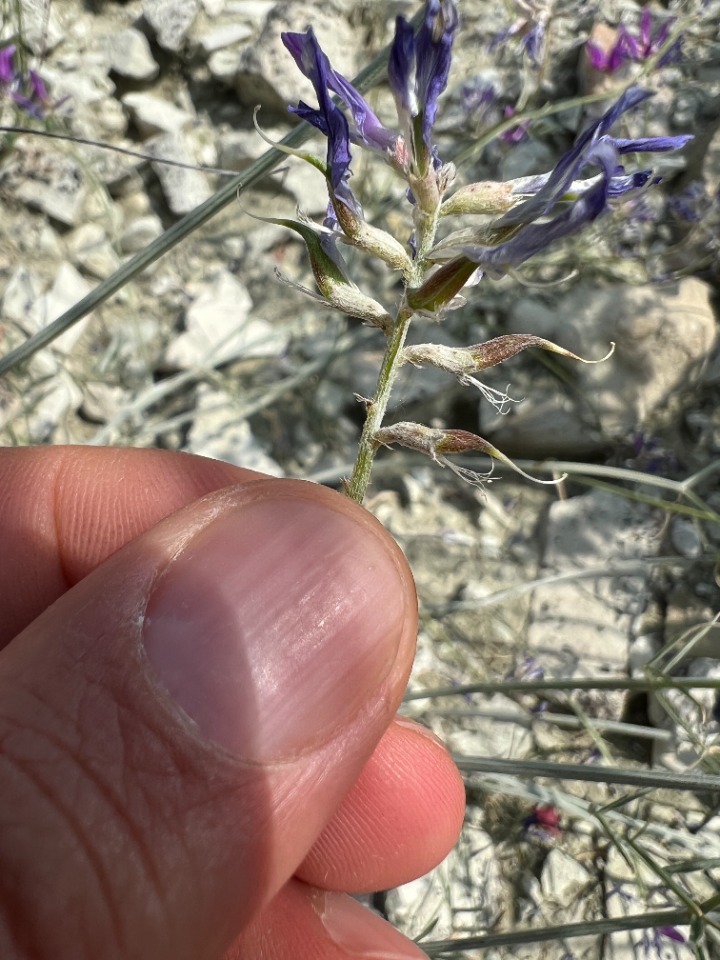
{"x":356,"y":486}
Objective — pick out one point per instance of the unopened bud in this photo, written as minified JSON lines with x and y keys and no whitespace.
{"x":442,"y":285}
{"x":487,"y":196}
{"x":371,"y":239}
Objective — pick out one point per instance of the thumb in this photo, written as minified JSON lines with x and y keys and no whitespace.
{"x":177,"y":729}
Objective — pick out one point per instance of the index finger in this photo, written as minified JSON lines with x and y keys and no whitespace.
{"x":63,"y":510}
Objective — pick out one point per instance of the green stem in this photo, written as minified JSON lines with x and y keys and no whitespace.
{"x":356,"y":486}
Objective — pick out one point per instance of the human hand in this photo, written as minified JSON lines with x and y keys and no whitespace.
{"x":198,"y":756}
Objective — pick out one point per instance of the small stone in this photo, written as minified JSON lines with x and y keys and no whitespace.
{"x":102,"y":401}
{"x":170,"y":20}
{"x":563,"y":879}
{"x":22,"y":289}
{"x":90,"y":249}
{"x":216,"y":432}
{"x":153,"y":115}
{"x":140,"y":233}
{"x":220,"y":328}
{"x":58,"y":189}
{"x":225,"y":36}
{"x":184,"y":188}
{"x":68,"y":287}
{"x":685,"y":538}
{"x":130,"y":55}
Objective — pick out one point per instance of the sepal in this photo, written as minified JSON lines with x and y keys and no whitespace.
{"x":328,"y":268}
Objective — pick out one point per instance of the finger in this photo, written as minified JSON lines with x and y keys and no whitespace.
{"x":179,"y":727}
{"x":402,"y":817}
{"x":96,"y":499}
{"x":63,"y":510}
{"x":304,"y":923}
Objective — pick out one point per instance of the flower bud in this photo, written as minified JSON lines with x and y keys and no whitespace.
{"x":442,"y":285}
{"x":487,"y":196}
{"x":371,"y":239}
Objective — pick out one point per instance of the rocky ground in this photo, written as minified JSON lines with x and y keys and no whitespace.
{"x":207,"y":352}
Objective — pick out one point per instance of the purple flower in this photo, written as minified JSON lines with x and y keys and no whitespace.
{"x":588,"y":199}
{"x":328,"y":118}
{"x":28,"y":92}
{"x":638,"y":47}
{"x":417,"y":71}
{"x":515,"y":134}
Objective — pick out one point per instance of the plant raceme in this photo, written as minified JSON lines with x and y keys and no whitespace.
{"x":518,"y":219}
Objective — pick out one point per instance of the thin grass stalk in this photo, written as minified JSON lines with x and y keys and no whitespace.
{"x":707,"y":783}
{"x":642,"y":921}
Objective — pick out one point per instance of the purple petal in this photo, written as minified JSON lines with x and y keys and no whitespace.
{"x":328,"y":118}
{"x":598,"y":58}
{"x":368,"y":130}
{"x":433,"y":54}
{"x":646,"y":31}
{"x":37,"y":86}
{"x":401,"y":72}
{"x":7,"y":70}
{"x":651,"y":144}
{"x":536,"y":237}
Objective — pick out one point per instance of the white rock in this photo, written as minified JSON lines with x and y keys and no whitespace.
{"x":130,"y":55}
{"x":499,"y":729}
{"x":218,"y":433}
{"x":563,"y":879}
{"x":213,"y":8}
{"x":237,"y":149}
{"x":696,"y":731}
{"x":140,"y":233}
{"x":663,"y":334}
{"x":184,"y":189}
{"x":67,"y":289}
{"x":90,"y":249}
{"x":170,"y":20}
{"x":49,"y":402}
{"x":58,"y":188}
{"x":153,"y":115}
{"x":268,"y":74}
{"x":254,"y":11}
{"x":225,"y":36}
{"x":581,"y":626}
{"x":42,"y":28}
{"x":685,"y":537}
{"x":220,"y":328}
{"x":21,"y":290}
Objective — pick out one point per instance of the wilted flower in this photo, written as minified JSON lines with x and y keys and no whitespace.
{"x":525,"y":230}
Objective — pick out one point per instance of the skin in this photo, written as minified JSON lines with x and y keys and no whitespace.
{"x":140,"y":818}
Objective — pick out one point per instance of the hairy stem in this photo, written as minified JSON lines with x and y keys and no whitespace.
{"x":356,"y":486}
